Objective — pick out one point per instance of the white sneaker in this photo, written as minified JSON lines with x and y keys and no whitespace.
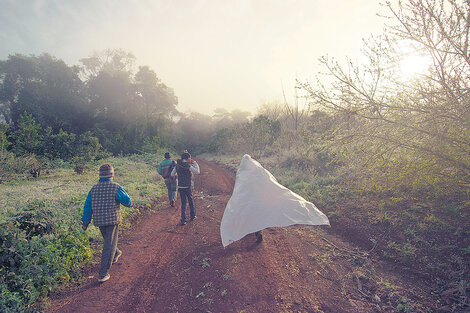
{"x":102,"y":280}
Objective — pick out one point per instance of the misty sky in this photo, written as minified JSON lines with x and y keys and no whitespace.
{"x":235,"y":54}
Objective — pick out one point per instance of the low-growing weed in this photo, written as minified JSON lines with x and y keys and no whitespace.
{"x":465,"y":250}
{"x":205,"y":262}
{"x":334,"y":215}
{"x":453,"y":209}
{"x":404,"y":252}
{"x":208,"y":301}
{"x":410,"y":232}
{"x":235,"y":259}
{"x":404,"y":306}
{"x":387,"y":285}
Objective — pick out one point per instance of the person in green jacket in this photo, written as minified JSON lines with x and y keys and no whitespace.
{"x":164,"y":169}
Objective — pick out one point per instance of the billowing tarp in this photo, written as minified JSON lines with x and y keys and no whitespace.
{"x":258,"y":201}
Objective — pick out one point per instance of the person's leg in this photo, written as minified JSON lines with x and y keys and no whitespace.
{"x":168,"y":187}
{"x":183,"y":204}
{"x":109,"y":248}
{"x":192,"y":209}
{"x":117,"y":253}
{"x":173,"y":192}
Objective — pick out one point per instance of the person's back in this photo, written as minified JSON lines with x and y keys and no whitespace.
{"x":165,"y":168}
{"x":184,"y":174}
{"x":106,"y":208}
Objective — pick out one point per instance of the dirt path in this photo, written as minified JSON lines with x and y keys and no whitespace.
{"x":166,"y":267}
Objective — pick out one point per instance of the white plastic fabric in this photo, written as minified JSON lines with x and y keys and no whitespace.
{"x":258,"y":201}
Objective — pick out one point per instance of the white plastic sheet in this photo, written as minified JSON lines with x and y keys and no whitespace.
{"x":258,"y":201}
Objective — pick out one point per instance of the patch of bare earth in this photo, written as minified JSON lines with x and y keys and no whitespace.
{"x":166,"y":267}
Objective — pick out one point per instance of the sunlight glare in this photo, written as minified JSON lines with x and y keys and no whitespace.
{"x":414,"y":65}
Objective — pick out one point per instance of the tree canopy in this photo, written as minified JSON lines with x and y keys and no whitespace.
{"x":123,"y":108}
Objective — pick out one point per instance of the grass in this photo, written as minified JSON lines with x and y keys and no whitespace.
{"x":62,"y":188}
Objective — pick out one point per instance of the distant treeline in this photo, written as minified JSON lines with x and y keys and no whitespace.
{"x":55,"y":111}
{"x":45,"y":102}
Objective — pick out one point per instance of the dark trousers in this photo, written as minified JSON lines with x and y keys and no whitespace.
{"x":110,"y":240}
{"x":186,"y":194}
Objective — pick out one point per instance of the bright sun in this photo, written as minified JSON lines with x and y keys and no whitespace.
{"x":414,"y":65}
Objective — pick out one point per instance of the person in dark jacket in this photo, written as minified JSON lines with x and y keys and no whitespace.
{"x":103,"y":203}
{"x":185,"y":168}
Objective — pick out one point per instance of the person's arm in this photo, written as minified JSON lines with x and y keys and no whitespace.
{"x":87,"y":212}
{"x":124,"y":198}
{"x":194,"y":168}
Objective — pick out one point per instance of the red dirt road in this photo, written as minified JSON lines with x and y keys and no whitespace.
{"x":166,"y":267}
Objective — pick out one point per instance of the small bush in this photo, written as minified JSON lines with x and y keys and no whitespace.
{"x":38,"y":248}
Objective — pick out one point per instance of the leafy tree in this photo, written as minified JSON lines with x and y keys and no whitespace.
{"x":27,"y":137}
{"x":256,"y":136}
{"x":87,"y":146}
{"x":58,"y":146}
{"x":46,"y":88}
{"x":157,"y":98}
{"x":125,"y":110}
{"x":222,"y":141}
{"x":193,"y":132}
{"x":111,"y":99}
{"x":110,"y":92}
{"x":223,"y":118}
{"x":129,"y":109}
{"x":4,"y":143}
{"x":112,"y":61}
{"x":239,"y":116}
{"x":272,"y":110}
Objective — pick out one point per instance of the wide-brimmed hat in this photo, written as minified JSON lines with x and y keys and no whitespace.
{"x":106,"y":171}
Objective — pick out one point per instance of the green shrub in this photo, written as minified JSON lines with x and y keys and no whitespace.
{"x":38,"y":248}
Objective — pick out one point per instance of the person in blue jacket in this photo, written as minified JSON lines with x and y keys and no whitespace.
{"x":103,"y":203}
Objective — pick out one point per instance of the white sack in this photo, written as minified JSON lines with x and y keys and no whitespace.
{"x":258,"y":201}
